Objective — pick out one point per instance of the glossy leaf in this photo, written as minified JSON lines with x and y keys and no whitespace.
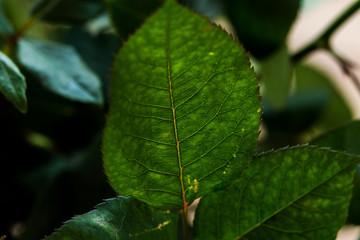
{"x":296,"y":193}
{"x":128,"y":15}
{"x":261,"y":25}
{"x":12,"y":83}
{"x":68,"y":11}
{"x":120,"y":218}
{"x":185,"y":110}
{"x":60,"y":69}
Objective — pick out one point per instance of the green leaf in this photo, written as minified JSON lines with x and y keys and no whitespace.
{"x":185,"y":110}
{"x":297,"y":193}
{"x":12,"y":83}
{"x":276,"y":74}
{"x":128,"y":15}
{"x":60,"y":69}
{"x":119,"y":218}
{"x":261,"y":25}
{"x":5,"y":26}
{"x":68,"y":11}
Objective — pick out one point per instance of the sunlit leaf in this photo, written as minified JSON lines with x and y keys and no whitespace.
{"x":185,"y":110}
{"x":12,"y":83}
{"x":60,"y":69}
{"x":296,"y":193}
{"x":120,"y":218}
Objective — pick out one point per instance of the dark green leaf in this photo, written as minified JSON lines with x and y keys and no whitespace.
{"x":346,"y":138}
{"x":68,"y":11}
{"x":128,"y":15}
{"x":60,"y":69}
{"x":185,"y":110}
{"x":262,"y":25}
{"x":12,"y":83}
{"x":297,"y":193}
{"x":120,"y":218}
{"x":209,"y":8}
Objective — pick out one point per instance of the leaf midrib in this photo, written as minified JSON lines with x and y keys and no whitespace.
{"x":177,"y":142}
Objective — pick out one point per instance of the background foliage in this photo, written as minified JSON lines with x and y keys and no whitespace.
{"x":60,"y":52}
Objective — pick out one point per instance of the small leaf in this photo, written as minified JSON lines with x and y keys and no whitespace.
{"x":128,"y":15}
{"x":60,"y":69}
{"x":68,"y":11}
{"x":185,"y":110}
{"x":119,"y":218}
{"x":12,"y":83}
{"x":262,"y":26}
{"x":296,"y":193}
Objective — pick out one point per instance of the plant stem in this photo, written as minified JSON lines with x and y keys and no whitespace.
{"x":323,"y":40}
{"x":185,"y":222}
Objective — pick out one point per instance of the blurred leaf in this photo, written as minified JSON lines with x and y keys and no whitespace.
{"x":209,"y":8}
{"x":346,"y":138}
{"x":128,"y":15}
{"x":97,"y":51}
{"x":12,"y":83}
{"x":68,"y":11}
{"x":297,"y":193}
{"x":336,"y":112}
{"x":171,"y":134}
{"x":5,"y":26}
{"x":276,"y":74}
{"x":60,"y":69}
{"x":262,"y":25}
{"x":120,"y":218}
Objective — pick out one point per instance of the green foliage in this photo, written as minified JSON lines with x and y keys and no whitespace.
{"x":61,"y":70}
{"x":174,"y":108}
{"x":120,"y":218}
{"x":297,"y":193}
{"x":12,"y":83}
{"x":183,"y":112}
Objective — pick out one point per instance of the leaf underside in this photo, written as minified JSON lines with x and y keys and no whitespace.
{"x":119,"y":218}
{"x":298,"y":193}
{"x":185,"y":110}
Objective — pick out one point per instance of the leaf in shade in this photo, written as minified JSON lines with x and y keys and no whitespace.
{"x":185,"y":110}
{"x":12,"y":83}
{"x":68,"y":11}
{"x":261,"y":25}
{"x":296,"y":193}
{"x":276,"y":74}
{"x":128,"y":15}
{"x":120,"y":218}
{"x":5,"y":26}
{"x":60,"y":69}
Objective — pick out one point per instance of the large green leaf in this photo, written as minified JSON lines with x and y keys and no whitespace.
{"x":262,"y":25}
{"x":60,"y":69}
{"x":128,"y":15}
{"x":185,"y":110}
{"x":120,"y":218}
{"x":297,"y":193}
{"x":12,"y":83}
